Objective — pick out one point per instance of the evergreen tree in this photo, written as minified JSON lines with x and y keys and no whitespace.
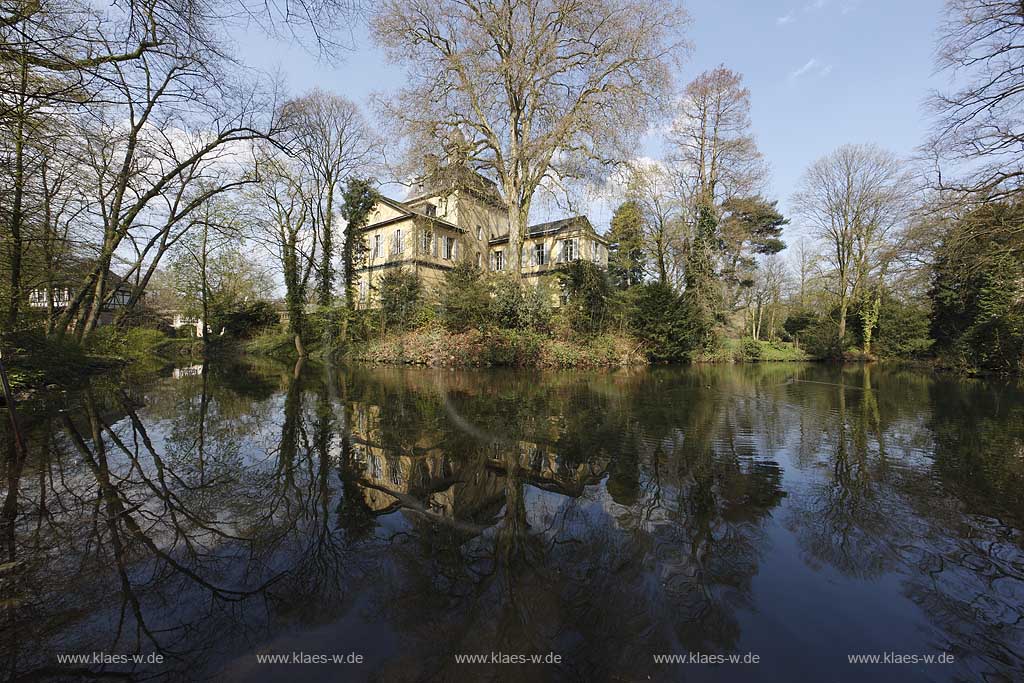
{"x":359,"y":197}
{"x":702,"y":297}
{"x":626,"y":257}
{"x":978,"y":290}
{"x":750,"y":227}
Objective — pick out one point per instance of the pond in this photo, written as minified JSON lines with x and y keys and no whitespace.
{"x":247,"y":521}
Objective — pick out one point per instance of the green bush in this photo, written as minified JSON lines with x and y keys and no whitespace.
{"x":586,"y":295}
{"x":399,"y":294}
{"x":749,"y":350}
{"x":33,"y":359}
{"x":821,"y":339}
{"x":977,"y":316}
{"x":903,"y":330}
{"x":517,"y":305}
{"x":465,"y":300}
{"x":134,"y":343}
{"x":245,"y":320}
{"x":425,"y":315}
{"x":659,"y":317}
{"x":798,"y":321}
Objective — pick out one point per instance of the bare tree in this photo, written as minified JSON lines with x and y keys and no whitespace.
{"x":283,"y":223}
{"x":330,"y":138}
{"x":765,"y":295}
{"x":712,"y":147}
{"x":544,"y":92}
{"x":663,"y":229}
{"x":806,"y":259}
{"x":979,"y":127}
{"x":152,"y":162}
{"x":853,"y":200}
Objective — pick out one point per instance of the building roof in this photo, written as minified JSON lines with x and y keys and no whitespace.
{"x":406,"y":213}
{"x":441,"y":179}
{"x":555,"y":227}
{"x":72,"y":270}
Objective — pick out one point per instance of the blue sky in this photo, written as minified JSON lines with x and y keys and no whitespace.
{"x":821,"y":73}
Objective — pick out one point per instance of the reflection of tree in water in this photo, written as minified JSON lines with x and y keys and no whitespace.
{"x":885,"y":511}
{"x":963,"y":561}
{"x":548,"y":572}
{"x":840,"y":518}
{"x":603,"y":517}
{"x":185,"y":541}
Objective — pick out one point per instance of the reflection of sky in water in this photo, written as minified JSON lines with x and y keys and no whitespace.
{"x":799,"y":512}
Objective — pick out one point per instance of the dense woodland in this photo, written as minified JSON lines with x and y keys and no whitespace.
{"x":141,"y":162}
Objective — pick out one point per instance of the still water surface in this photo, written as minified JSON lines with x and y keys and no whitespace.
{"x":799,"y":513}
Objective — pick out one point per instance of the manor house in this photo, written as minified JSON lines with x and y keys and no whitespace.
{"x":457,"y":215}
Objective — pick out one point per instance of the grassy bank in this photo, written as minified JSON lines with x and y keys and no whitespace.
{"x":754,"y":351}
{"x":500,"y":347}
{"x":35,"y":361}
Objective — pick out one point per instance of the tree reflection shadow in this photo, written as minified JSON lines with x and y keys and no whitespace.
{"x":604,"y":517}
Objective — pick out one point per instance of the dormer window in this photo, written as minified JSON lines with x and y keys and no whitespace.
{"x":430,"y":210}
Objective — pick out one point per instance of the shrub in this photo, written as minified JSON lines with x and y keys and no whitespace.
{"x":798,"y":321}
{"x":465,"y":300}
{"x":135,"y":342}
{"x":519,"y":306}
{"x":245,"y":320}
{"x":821,"y":338}
{"x":399,"y":293}
{"x":660,"y":318}
{"x":425,"y":315}
{"x":586,"y":293}
{"x":274,"y":342}
{"x":749,"y":350}
{"x":902,"y":329}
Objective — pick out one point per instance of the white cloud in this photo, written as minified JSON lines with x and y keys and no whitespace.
{"x":805,"y":69}
{"x":808,"y":7}
{"x":812,"y":67}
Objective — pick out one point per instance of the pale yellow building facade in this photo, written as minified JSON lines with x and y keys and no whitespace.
{"x":461,"y":218}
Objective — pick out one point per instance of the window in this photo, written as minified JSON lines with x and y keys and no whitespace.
{"x":499,"y":260}
{"x":377,"y":240}
{"x":430,"y":210}
{"x":539,"y":254}
{"x":570,"y":250}
{"x":428,"y":239}
{"x":363,"y":289}
{"x":479,"y":260}
{"x":479,"y":232}
{"x":450,"y":249}
{"x":396,"y":243}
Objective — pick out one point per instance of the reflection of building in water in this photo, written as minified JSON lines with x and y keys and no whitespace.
{"x":465,"y":486}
